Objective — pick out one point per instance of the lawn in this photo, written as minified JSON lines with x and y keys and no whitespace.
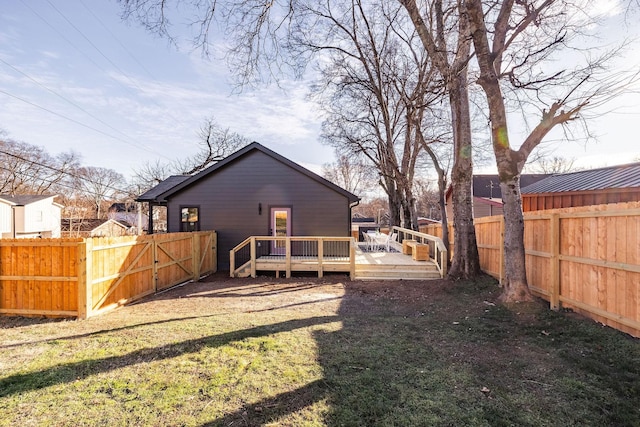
{"x":316,"y":352}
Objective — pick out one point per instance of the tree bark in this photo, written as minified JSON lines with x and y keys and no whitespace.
{"x":509,"y":162}
{"x":466,"y":262}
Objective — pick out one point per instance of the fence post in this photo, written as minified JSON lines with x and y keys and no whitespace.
{"x":352,"y":259}
{"x":554,"y":241}
{"x":214,"y":251}
{"x":82,"y":280}
{"x":287,"y":259}
{"x":320,"y":255}
{"x":253,"y":257}
{"x":502,"y":263}
{"x":154,"y":251}
{"x":195,"y":251}
{"x":232,"y":263}
{"x":85,"y":277}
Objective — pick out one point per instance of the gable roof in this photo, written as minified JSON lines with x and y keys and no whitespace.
{"x":23,"y":199}
{"x":488,"y":186}
{"x":88,"y":224}
{"x":620,"y":176}
{"x":166,"y":185}
{"x":176,"y":183}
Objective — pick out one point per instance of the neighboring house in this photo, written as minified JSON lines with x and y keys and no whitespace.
{"x":94,"y":228}
{"x":487,"y":195}
{"x":612,"y":184}
{"x":361,"y":224}
{"x":127,"y":213}
{"x":253,"y":192}
{"x":29,"y":216}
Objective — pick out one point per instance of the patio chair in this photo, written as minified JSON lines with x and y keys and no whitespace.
{"x":392,"y":238}
{"x":368,"y":241}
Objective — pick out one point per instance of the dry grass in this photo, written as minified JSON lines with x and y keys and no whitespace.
{"x":311,"y":351}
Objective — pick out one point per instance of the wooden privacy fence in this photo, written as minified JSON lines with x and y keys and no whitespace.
{"x":84,"y":277}
{"x":586,"y":259}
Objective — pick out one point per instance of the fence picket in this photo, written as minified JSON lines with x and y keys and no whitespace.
{"x":83,"y":277}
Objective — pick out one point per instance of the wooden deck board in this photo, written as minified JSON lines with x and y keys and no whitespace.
{"x":369,"y":265}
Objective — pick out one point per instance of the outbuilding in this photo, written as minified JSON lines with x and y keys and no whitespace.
{"x":613,"y":184}
{"x":253,"y":192}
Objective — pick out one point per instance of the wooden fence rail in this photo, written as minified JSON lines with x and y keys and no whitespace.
{"x":84,"y":277}
{"x":586,"y":259}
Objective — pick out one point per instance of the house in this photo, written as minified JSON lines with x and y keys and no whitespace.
{"x":611,"y":184}
{"x":94,"y":227}
{"x":29,"y":216}
{"x":129,"y":214}
{"x":253,"y":192}
{"x":487,"y":195}
{"x":361,"y":224}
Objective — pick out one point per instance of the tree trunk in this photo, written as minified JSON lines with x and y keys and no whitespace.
{"x":443,"y":209}
{"x":515,"y":287}
{"x":466,"y":262}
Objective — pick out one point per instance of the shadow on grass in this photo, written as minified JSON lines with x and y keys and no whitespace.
{"x":446,"y":357}
{"x":68,"y":372}
{"x":406,"y":362}
{"x":107,"y":331}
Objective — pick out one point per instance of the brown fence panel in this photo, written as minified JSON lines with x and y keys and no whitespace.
{"x":436,"y":230}
{"x":39,"y":277}
{"x":176,"y":260}
{"x":489,"y":232}
{"x":208,"y":252}
{"x":81,"y":278}
{"x":587,"y":259}
{"x":537,"y":243}
{"x":121,"y":269}
{"x":599,"y":264}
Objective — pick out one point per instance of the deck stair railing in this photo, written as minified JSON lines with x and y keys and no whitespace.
{"x":436,"y":246}
{"x":293,"y":253}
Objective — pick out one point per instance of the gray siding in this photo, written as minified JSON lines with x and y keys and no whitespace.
{"x":228,"y":200}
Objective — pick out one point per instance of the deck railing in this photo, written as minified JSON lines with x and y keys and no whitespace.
{"x":437,"y":249}
{"x":293,"y":253}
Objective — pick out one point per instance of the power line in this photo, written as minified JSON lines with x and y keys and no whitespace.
{"x":122,"y":45}
{"x":73,"y":175}
{"x":62,"y":97}
{"x":132,"y":81}
{"x":62,"y":36}
{"x":81,"y":124}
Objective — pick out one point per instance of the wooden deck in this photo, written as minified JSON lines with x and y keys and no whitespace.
{"x":393,"y":266}
{"x":336,"y":254}
{"x":368,"y":265}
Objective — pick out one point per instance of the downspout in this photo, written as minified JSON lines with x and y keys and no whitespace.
{"x":351,"y":206}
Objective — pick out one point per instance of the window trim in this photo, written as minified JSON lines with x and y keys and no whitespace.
{"x":183,"y":227}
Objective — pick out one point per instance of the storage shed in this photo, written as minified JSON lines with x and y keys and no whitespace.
{"x":613,"y":184}
{"x":487,"y":195}
{"x":253,"y":192}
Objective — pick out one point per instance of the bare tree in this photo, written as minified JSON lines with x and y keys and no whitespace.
{"x":29,"y":169}
{"x":376,"y":86}
{"x":215,"y":143}
{"x":443,"y":29}
{"x":512,"y":40}
{"x":551,"y":165}
{"x":102,"y":186}
{"x":350,"y":172}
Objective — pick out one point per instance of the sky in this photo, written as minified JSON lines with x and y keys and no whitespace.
{"x":75,"y":76}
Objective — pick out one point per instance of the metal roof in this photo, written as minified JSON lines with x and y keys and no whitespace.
{"x":488,"y":186}
{"x":620,"y":176}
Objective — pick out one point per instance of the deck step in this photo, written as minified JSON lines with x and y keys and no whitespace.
{"x":397,"y":272}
